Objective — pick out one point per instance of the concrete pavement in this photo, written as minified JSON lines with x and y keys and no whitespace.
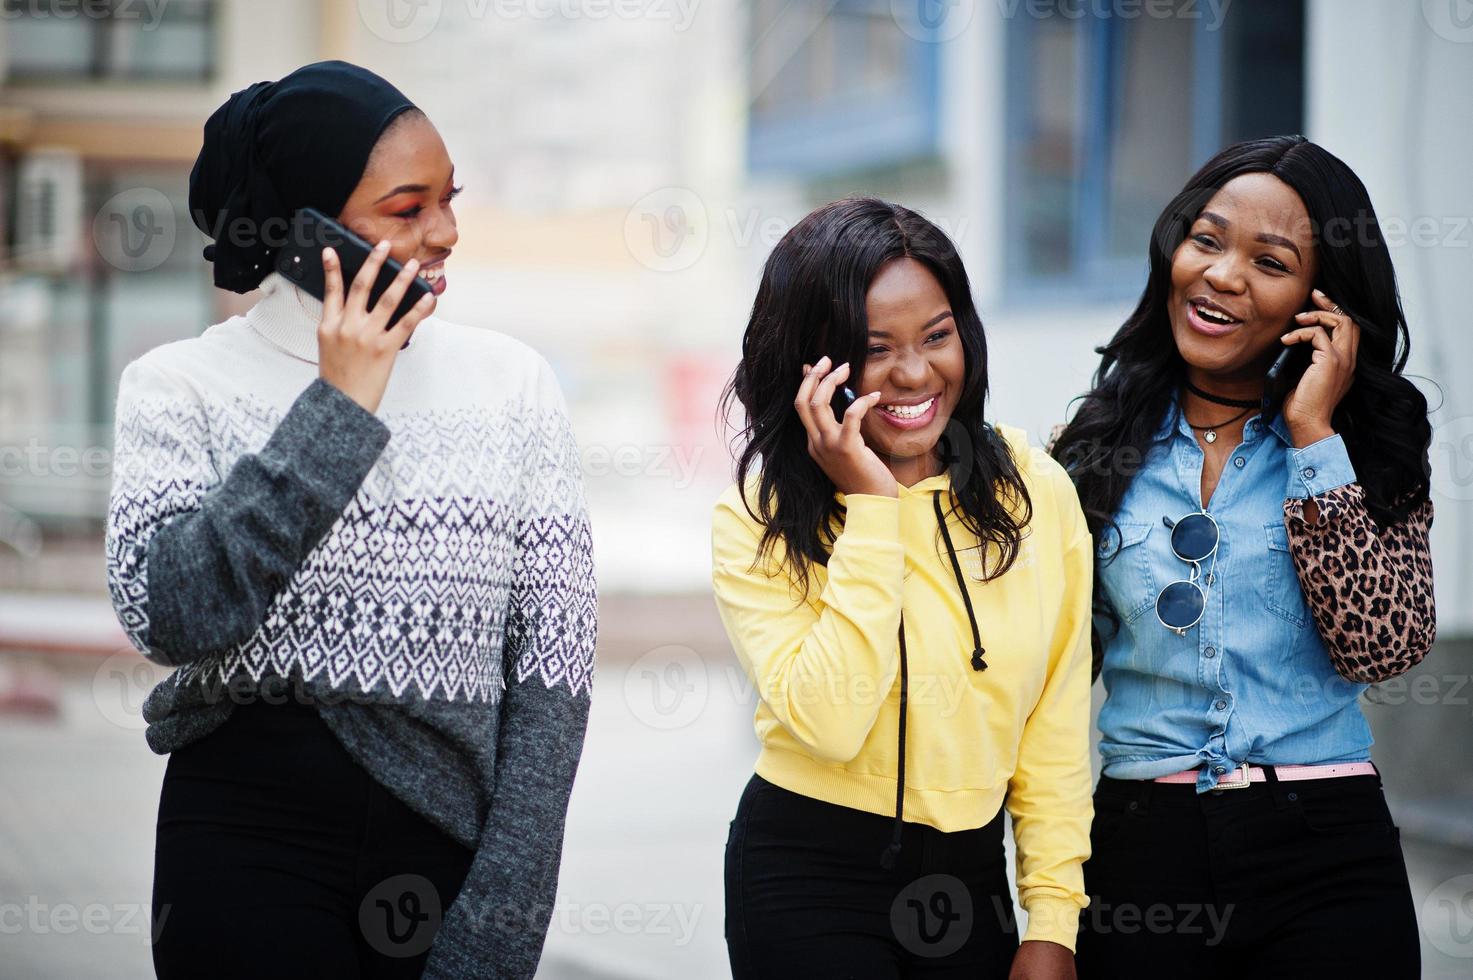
{"x":669,"y":749}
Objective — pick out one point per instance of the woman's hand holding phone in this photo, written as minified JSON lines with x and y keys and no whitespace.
{"x":1336,"y":339}
{"x":839,"y":448}
{"x":356,"y":346}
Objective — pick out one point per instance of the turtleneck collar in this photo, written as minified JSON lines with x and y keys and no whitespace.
{"x":287,"y":316}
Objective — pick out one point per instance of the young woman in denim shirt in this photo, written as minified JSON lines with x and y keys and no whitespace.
{"x":1261,"y":557}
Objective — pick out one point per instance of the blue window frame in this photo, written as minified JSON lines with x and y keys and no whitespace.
{"x":839,"y":86}
{"x":1108,"y":115}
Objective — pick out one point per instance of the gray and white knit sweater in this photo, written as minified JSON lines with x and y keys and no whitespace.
{"x":425,"y":573}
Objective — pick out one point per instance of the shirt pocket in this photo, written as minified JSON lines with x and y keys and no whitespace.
{"x":1279,"y":581}
{"x":1129,"y":581}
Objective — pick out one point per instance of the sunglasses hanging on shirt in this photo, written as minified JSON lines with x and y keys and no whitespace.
{"x":1194,"y":539}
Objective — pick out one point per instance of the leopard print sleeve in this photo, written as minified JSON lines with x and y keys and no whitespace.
{"x":1370,"y":590}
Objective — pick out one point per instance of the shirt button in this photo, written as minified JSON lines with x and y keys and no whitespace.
{"x":1219,"y":770}
{"x":1210,"y":652}
{"x":1309,"y":472}
{"x":1211,"y":577}
{"x":1221,"y":705}
{"x":1238,"y":462}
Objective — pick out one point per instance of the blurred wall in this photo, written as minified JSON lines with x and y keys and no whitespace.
{"x":1402,"y":117}
{"x":628,"y":167}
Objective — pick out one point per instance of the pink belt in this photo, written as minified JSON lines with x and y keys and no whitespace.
{"x":1285,"y":774}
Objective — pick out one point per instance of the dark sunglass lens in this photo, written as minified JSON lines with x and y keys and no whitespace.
{"x":1180,"y":605}
{"x":1194,"y":537}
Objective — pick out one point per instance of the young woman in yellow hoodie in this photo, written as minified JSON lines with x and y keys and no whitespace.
{"x":909,"y":588}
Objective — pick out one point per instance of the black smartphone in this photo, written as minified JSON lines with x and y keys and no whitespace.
{"x":300,"y":261}
{"x":1285,"y":372}
{"x":843,"y":398}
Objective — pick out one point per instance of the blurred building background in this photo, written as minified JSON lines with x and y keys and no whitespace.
{"x":628,"y":165}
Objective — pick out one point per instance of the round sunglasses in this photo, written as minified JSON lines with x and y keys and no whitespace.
{"x":1194,"y":538}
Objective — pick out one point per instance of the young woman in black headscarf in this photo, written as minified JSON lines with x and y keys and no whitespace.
{"x":370,"y":563}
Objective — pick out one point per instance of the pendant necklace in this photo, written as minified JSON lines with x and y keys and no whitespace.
{"x":1211,"y":430}
{"x":1211,"y":433}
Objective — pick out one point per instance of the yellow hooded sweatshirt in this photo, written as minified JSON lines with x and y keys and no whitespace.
{"x":827,"y":672}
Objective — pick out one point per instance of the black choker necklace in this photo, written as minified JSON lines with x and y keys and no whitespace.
{"x":1219,"y":400}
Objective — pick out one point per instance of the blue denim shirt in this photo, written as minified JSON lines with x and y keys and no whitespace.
{"x":1252,"y":681}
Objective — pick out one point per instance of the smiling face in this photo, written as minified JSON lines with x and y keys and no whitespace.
{"x":404,"y":196}
{"x":1246,"y":267}
{"x":915,"y":360}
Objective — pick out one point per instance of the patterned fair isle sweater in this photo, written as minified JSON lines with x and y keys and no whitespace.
{"x":425,"y":574}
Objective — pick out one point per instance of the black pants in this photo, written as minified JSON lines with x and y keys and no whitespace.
{"x":1302,"y":879}
{"x":279,"y":856}
{"x":806,"y":896}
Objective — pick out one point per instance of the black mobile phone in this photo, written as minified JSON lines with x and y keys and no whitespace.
{"x":843,"y":398}
{"x":300,"y":261}
{"x":1285,"y":373}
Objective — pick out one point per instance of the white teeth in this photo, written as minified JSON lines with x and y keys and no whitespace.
{"x":1213,"y":315}
{"x":433,"y":275}
{"x":909,"y":411}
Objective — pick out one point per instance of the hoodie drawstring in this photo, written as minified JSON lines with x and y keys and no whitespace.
{"x":961,"y":583}
{"x":888,"y":856}
{"x":891,"y":853}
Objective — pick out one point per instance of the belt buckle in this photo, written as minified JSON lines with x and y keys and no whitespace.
{"x":1244,"y":782}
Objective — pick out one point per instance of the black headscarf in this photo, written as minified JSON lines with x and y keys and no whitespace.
{"x":275,"y":147}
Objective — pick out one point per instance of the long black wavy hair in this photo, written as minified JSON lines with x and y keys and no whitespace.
{"x":811,"y":303}
{"x":1382,"y":418}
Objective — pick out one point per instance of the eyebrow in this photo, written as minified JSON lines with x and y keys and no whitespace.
{"x":411,"y":189}
{"x":1264,"y":237}
{"x":929,"y":323}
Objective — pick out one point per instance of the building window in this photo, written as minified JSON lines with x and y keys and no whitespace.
{"x":1109,"y":115}
{"x":67,"y":331}
{"x":109,"y":40}
{"x":838,"y":86}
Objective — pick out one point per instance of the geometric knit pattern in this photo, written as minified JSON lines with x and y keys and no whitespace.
{"x":409,"y":593}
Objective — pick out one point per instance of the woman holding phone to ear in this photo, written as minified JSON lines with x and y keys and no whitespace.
{"x":908,"y":587}
{"x":1257,"y":567}
{"x":364,"y":547}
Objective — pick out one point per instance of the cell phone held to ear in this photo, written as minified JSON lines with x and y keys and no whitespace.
{"x":300,"y":261}
{"x":843,"y":398}
{"x":1284,"y":374}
